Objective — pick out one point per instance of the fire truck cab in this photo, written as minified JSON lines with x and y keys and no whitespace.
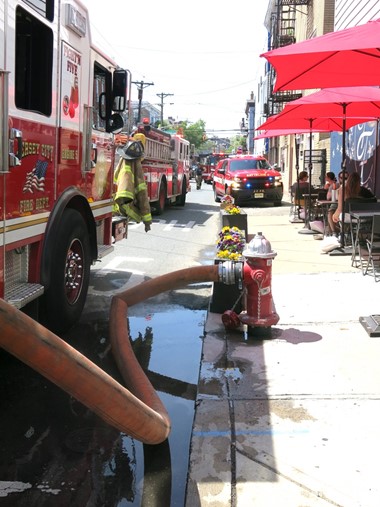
{"x":60,"y":105}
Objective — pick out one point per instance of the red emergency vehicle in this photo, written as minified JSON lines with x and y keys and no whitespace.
{"x":208,"y":163}
{"x":248,"y":178}
{"x":166,"y":167}
{"x":60,"y":100}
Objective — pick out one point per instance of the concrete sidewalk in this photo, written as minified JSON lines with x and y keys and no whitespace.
{"x":291,"y":420}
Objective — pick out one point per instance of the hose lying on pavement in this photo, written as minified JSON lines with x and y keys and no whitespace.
{"x":141,"y":414}
{"x":63,"y":365}
{"x":130,"y":369}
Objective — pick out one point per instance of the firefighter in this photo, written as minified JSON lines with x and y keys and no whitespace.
{"x":131,"y":198}
{"x":198,"y":176}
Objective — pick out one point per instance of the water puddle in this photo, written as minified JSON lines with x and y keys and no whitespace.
{"x":55,"y":451}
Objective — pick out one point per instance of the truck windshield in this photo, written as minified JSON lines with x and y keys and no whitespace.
{"x":214,"y":159}
{"x":238,"y":165}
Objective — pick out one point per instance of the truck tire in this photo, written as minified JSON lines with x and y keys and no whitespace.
{"x":160,"y":204}
{"x":181,"y":199}
{"x":64,"y":300}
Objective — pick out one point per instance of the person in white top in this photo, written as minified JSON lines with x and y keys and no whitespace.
{"x":330,"y":185}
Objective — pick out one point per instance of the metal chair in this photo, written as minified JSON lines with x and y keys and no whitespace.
{"x":360,"y":230}
{"x":373,"y":246}
{"x":296,"y":206}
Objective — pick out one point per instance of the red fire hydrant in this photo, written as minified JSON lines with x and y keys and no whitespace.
{"x":254,"y":278}
{"x":257,"y":279}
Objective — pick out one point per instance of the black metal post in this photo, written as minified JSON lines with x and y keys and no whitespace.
{"x":298,"y":198}
{"x":307,"y":229}
{"x":343,"y":250}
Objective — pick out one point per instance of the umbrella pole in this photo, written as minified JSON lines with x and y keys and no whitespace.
{"x":307,"y":229}
{"x":342,"y":239}
{"x":343,"y":250}
{"x":297,"y":198}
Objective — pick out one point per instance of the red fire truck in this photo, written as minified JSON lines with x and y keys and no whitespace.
{"x":166,"y":167}
{"x":208,"y":162}
{"x":60,"y":100}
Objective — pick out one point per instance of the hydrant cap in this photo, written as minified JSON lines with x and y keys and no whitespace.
{"x":260,"y":247}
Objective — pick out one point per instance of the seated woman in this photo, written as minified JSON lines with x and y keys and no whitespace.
{"x":353,"y":190}
{"x":331,"y":184}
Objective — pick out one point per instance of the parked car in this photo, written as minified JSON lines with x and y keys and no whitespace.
{"x":248,"y":178}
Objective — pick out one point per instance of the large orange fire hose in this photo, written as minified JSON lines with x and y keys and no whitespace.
{"x":141,"y":414}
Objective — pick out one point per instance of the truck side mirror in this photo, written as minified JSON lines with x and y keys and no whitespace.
{"x":119,"y":90}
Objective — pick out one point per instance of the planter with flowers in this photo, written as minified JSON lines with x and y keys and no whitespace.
{"x":229,"y":247}
{"x":231,"y":215}
{"x":230,"y":244}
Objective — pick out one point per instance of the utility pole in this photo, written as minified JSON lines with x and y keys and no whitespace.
{"x":140,"y":85}
{"x":162,"y":96}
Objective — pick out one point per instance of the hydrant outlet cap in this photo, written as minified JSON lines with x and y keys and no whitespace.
{"x":260,"y":247}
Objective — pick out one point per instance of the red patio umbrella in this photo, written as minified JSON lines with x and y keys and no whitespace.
{"x":303,"y":123}
{"x":330,"y":109}
{"x":348,"y":57}
{"x":345,"y":102}
{"x":354,"y":105}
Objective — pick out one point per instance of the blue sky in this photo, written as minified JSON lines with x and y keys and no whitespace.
{"x":205,"y":53}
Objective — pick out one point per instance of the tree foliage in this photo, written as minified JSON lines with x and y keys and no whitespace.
{"x":195,"y":132}
{"x":238,"y":142}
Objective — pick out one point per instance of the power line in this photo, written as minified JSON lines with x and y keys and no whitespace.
{"x":221,"y":130}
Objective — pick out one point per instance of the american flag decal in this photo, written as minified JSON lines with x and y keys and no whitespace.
{"x":35,"y":180}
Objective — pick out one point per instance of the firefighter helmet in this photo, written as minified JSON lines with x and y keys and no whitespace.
{"x":132,"y":150}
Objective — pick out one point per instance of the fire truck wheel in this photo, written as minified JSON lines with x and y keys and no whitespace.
{"x":181,"y":199}
{"x":63,"y":302}
{"x":160,"y":204}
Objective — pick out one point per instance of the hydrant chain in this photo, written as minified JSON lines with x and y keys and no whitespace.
{"x":259,"y":283}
